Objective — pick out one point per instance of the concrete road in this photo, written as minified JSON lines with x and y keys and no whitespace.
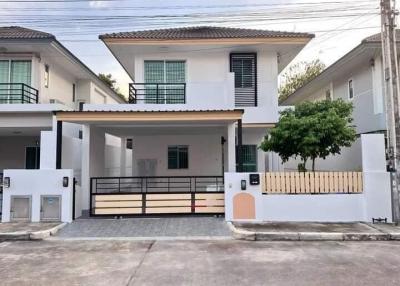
{"x":225,"y":262}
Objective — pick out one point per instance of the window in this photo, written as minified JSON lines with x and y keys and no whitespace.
{"x":46,"y":75}
{"x":249,"y":158}
{"x":244,"y":66}
{"x":178,"y":157}
{"x":80,"y":105}
{"x":129,"y":143}
{"x":15,"y":71}
{"x":351,"y":89}
{"x":73,"y":92}
{"x":164,"y":72}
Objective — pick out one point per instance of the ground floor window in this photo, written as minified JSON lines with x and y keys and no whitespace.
{"x":249,"y":158}
{"x":178,"y":157}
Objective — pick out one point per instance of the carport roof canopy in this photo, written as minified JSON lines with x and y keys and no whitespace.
{"x":146,"y":121}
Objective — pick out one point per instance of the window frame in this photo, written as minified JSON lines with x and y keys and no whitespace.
{"x":350,"y":81}
{"x":178,"y":167}
{"x":248,"y":164}
{"x":10,"y":60}
{"x":46,"y":76}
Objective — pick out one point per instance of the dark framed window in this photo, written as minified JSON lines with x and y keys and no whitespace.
{"x":351,"y":89}
{"x":178,"y":157}
{"x":249,"y":158}
{"x":46,"y":76}
{"x":244,"y":66}
{"x":129,"y":143}
{"x":73,"y":92}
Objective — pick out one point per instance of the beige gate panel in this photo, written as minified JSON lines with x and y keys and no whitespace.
{"x":158,"y":197}
{"x":118,"y":204}
{"x":214,"y":209}
{"x":168,"y":210}
{"x":168,"y":203}
{"x":112,"y":211}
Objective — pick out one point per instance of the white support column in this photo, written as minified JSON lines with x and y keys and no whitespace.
{"x":231,"y":141}
{"x":93,"y":159}
{"x":122,"y":160}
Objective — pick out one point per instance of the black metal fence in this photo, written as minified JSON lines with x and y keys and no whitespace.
{"x":161,"y":184}
{"x":157,"y":93}
{"x":18,"y":93}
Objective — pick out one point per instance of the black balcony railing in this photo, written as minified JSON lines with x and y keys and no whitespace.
{"x":157,"y":93}
{"x":18,"y":93}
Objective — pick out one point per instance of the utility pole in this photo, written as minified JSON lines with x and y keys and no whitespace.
{"x":391,"y":91}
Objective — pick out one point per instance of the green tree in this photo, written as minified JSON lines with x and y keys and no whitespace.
{"x":111,"y":82}
{"x":312,"y":130}
{"x":298,"y":75}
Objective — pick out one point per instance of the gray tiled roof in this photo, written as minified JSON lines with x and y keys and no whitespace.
{"x":15,"y":32}
{"x":377,"y":38}
{"x":203,"y":32}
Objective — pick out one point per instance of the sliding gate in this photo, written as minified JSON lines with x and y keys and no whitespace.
{"x":112,"y":196}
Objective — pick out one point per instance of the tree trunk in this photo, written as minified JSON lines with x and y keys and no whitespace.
{"x":313,"y":164}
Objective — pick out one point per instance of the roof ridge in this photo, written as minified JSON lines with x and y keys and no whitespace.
{"x":193,"y":32}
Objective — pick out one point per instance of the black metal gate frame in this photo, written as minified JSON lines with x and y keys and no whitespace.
{"x":151,"y":185}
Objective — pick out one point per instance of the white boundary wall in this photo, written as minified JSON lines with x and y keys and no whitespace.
{"x":35,"y":183}
{"x":374,"y":202}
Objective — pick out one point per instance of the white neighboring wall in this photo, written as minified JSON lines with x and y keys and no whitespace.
{"x":35,"y":183}
{"x":374,"y":202}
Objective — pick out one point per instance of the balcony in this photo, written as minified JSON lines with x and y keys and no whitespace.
{"x":18,"y":93}
{"x":157,"y":93}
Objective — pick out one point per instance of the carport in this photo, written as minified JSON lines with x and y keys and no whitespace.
{"x":202,"y":142}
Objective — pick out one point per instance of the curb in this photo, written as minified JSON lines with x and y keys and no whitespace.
{"x":43,"y":234}
{"x":35,"y":235}
{"x":241,"y":234}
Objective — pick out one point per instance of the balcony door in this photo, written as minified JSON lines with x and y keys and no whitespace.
{"x":13,"y":73}
{"x":163,"y":81}
{"x":244,"y":65}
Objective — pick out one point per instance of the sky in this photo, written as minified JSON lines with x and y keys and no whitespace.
{"x":339,"y":25}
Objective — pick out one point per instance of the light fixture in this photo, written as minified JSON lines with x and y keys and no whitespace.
{"x":243,"y":185}
{"x":6,"y":182}
{"x":65,"y":182}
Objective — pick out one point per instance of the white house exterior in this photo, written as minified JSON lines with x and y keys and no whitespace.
{"x":357,"y":77}
{"x":39,"y":76}
{"x":198,"y":94}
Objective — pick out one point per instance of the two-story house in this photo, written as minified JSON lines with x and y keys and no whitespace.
{"x":357,"y":77}
{"x":201,"y":101}
{"x":39,"y":76}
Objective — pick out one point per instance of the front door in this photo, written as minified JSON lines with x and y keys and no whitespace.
{"x":32,"y":157}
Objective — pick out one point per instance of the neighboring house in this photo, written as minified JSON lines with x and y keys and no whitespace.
{"x":38,"y":76}
{"x":357,"y":77}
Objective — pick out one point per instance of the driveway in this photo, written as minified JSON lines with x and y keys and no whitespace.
{"x":221,"y":262}
{"x":147,"y":228}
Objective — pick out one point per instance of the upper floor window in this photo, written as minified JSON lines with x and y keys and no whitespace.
{"x":46,"y":75}
{"x":15,"y":71}
{"x":164,"y":81}
{"x":244,"y":66}
{"x":350,"y":89}
{"x":73,"y":92}
{"x":164,"y":71}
